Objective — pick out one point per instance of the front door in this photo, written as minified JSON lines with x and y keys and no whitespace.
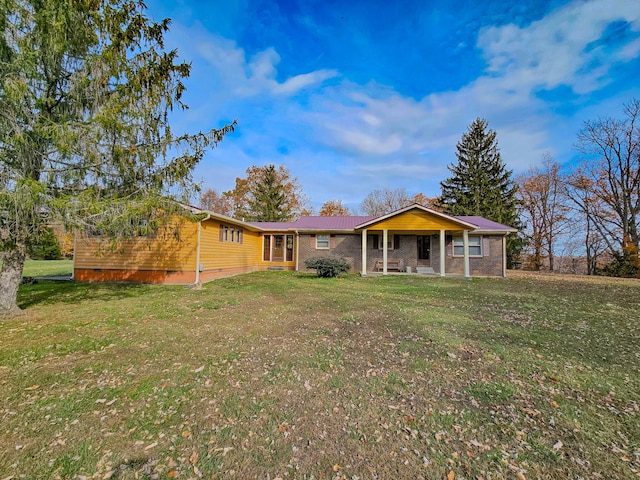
{"x":278,"y":248}
{"x":424,"y":250}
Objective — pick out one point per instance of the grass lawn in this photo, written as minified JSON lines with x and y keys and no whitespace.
{"x":38,"y":268}
{"x":279,"y":375}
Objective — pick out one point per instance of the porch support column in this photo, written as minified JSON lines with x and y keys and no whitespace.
{"x":465,"y":243}
{"x":443,"y":253}
{"x":385,"y":239}
{"x":364,"y":253}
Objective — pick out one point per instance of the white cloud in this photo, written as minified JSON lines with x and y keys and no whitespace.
{"x":553,"y":51}
{"x":371,"y":133}
{"x":299,"y":82}
{"x":375,"y":123}
{"x":233,"y":72}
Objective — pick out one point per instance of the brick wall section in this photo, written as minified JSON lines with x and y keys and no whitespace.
{"x":348,"y":246}
{"x":342,"y":245}
{"x":490,"y":264}
{"x":407,"y":253}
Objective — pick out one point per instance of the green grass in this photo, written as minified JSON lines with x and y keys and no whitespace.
{"x":276,"y":374}
{"x":38,"y":268}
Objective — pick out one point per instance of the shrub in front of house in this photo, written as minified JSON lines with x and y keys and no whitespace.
{"x":328,"y":266}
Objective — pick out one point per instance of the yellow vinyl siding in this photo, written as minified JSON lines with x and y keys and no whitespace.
{"x":215,"y":254}
{"x":416,"y":221}
{"x":164,"y":252}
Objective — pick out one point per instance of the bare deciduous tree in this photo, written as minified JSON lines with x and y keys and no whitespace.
{"x":381,"y":202}
{"x":545,"y":210}
{"x":605,"y":188}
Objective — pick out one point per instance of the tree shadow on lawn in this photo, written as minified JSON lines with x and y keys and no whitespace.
{"x":49,"y":292}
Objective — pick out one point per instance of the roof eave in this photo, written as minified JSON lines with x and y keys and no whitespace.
{"x":224,"y":218}
{"x":495,"y":232}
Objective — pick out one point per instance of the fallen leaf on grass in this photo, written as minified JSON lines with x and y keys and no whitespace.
{"x":336,"y":467}
{"x":194,"y":457}
{"x":199,"y":369}
{"x":224,"y":450}
{"x":451,"y":475}
{"x":32,"y":388}
{"x":172,"y":473}
{"x":530,"y":411}
{"x":154,"y":444}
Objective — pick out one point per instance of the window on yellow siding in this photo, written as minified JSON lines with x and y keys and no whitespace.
{"x":230,"y":234}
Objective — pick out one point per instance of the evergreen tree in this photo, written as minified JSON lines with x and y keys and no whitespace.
{"x":269,"y":203}
{"x":480,"y":183}
{"x":86,"y":88}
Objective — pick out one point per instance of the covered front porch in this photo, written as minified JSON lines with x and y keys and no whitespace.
{"x":416,"y":237}
{"x":386,"y":251}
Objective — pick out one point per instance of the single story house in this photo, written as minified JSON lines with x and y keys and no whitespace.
{"x":412,"y":239}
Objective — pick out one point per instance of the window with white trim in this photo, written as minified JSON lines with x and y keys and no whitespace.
{"x":323,"y":241}
{"x":475,"y":246}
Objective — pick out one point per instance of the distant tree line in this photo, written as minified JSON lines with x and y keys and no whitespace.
{"x":592,"y":209}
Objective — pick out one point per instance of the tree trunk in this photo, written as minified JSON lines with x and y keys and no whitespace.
{"x":10,"y":277}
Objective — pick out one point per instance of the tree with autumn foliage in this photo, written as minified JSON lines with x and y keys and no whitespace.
{"x":333,"y":208}
{"x":605,"y":187}
{"x":267,"y":194}
{"x":216,"y":202}
{"x":545,"y":210}
{"x":481,"y":185}
{"x":430,"y":202}
{"x":86,"y":89}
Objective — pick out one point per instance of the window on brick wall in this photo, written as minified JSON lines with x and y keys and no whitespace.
{"x":323,"y":241}
{"x":475,"y":246}
{"x":393,"y":242}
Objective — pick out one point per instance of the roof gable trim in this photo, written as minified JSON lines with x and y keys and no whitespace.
{"x":418,"y":207}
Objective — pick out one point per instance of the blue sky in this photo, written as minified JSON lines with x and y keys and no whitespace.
{"x":358,"y":95}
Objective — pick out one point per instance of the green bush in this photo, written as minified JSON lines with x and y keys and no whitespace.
{"x":328,"y":266}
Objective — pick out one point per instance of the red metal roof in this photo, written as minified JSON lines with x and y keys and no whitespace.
{"x":316,"y":223}
{"x":350,"y":222}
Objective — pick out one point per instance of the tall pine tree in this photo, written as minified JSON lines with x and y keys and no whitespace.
{"x":480,"y":183}
{"x":269,"y":203}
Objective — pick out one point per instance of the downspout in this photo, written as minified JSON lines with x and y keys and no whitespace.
{"x":297,"y":250}
{"x":198,"y":249}
{"x":504,"y":256}
{"x":73,"y":262}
